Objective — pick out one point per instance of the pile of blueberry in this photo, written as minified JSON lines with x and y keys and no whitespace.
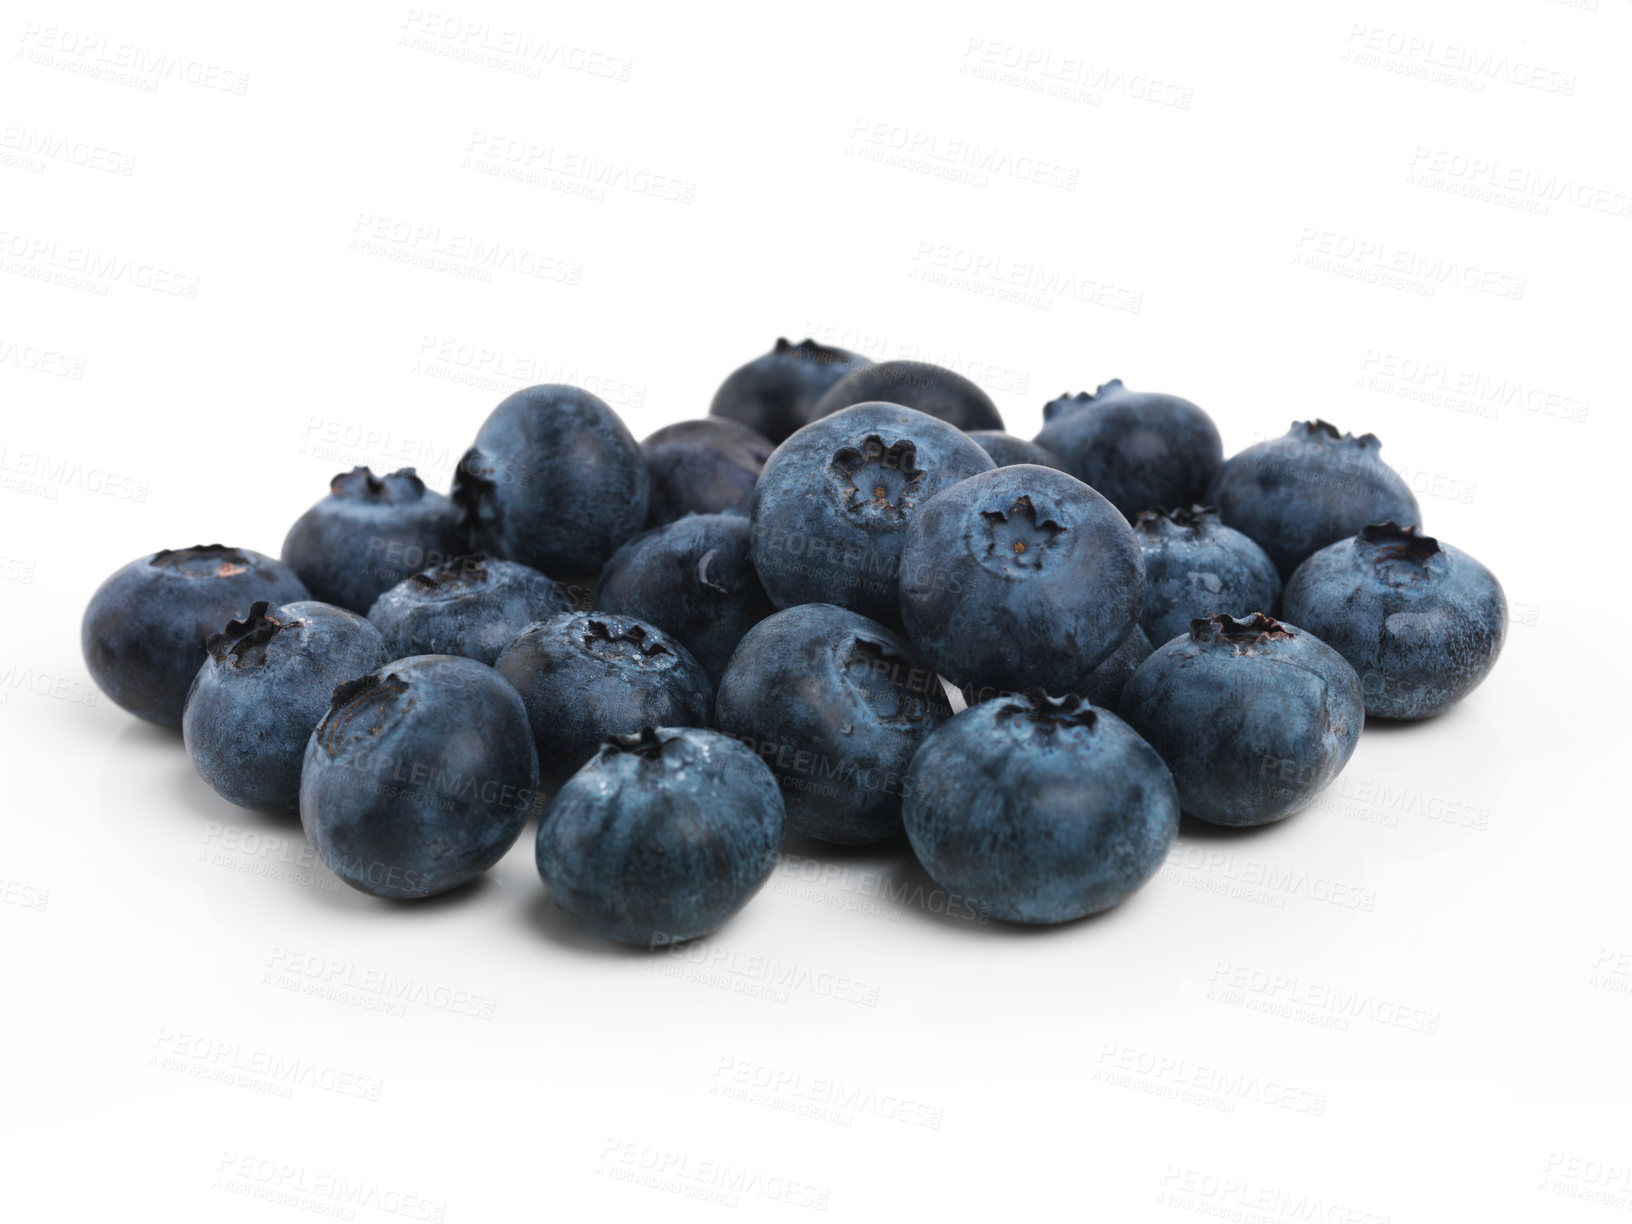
{"x":846,"y":601}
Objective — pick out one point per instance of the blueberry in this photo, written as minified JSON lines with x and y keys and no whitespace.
{"x":1019,"y":577}
{"x":419,"y":777}
{"x":1309,"y":488}
{"x":662,"y":836}
{"x":1102,"y":686}
{"x":586,"y":675}
{"x":833,"y":504}
{"x":470,"y":606}
{"x":836,"y":704}
{"x":1007,"y":450}
{"x":147,"y":628}
{"x":1039,"y":809}
{"x":1195,"y":566}
{"x":554,"y":481}
{"x":369,"y":534}
{"x":266,"y":682}
{"x":774,"y":394}
{"x":1253,"y":716}
{"x":1420,"y":621}
{"x":691,"y":579}
{"x":1141,"y":449}
{"x":931,"y":389}
{"x":702,"y":467}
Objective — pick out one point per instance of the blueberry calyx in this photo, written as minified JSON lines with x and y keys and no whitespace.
{"x":1187,"y":518}
{"x":452,"y":576}
{"x":1019,"y":535}
{"x":1396,"y":543}
{"x":603,"y":638}
{"x":1049,"y":714}
{"x":361,"y":483}
{"x":244,"y":642}
{"x":353,"y":699}
{"x":1240,"y":633}
{"x":201,"y":561}
{"x":898,"y":689}
{"x":810,"y":350}
{"x":1325,"y":432}
{"x":645,"y":743}
{"x":885,"y":478}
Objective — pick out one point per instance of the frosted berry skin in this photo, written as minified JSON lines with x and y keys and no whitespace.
{"x":775,"y":394}
{"x":702,"y":467}
{"x":1195,"y":566}
{"x":662,"y":836}
{"x":932,"y":389}
{"x":692,"y":579}
{"x":1309,"y":488}
{"x":836,"y":705}
{"x":1020,"y":577}
{"x":147,"y":628}
{"x":1421,"y":622}
{"x":1007,"y":450}
{"x":472,"y":606}
{"x":1255,"y":717}
{"x":584,"y":676}
{"x":369,"y":534}
{"x":1039,"y":809}
{"x":1102,"y":686}
{"x":419,"y":777}
{"x":266,"y":682}
{"x":1140,"y":449}
{"x":832,"y":507}
{"x":554,"y":481}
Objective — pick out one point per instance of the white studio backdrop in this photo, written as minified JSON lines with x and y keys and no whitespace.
{"x":245,"y":249}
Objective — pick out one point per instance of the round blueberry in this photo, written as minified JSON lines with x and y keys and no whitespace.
{"x":1141,"y":449}
{"x":702,"y":467}
{"x":1195,"y":566}
{"x":419,"y":777}
{"x":1309,"y":488}
{"x":836,"y":704}
{"x":932,"y":389}
{"x":1019,"y":577}
{"x":1254,"y":717}
{"x":266,"y":682}
{"x":147,"y":628}
{"x":1421,"y":622}
{"x":586,"y":675}
{"x":662,"y":836}
{"x":554,"y":481}
{"x":774,"y":394}
{"x":1007,"y":450}
{"x":832,"y":506}
{"x":369,"y":534}
{"x":691,"y":578}
{"x":1039,"y":809}
{"x":469,"y":606}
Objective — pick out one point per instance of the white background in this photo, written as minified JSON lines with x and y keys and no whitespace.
{"x":246,"y":248}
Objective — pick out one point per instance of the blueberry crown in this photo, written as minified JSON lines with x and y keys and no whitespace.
{"x":645,"y":743}
{"x":1038,"y":709}
{"x":244,"y":642}
{"x":352,"y":700}
{"x":1070,"y":403}
{"x":1396,"y":543}
{"x":403,"y":485}
{"x":899,"y":689}
{"x":1252,"y":630}
{"x":454,"y":574}
{"x":1326,"y":433}
{"x":878,"y":474}
{"x":1191,"y":518}
{"x":202,"y":561}
{"x":808,"y":350}
{"x":624,"y":639}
